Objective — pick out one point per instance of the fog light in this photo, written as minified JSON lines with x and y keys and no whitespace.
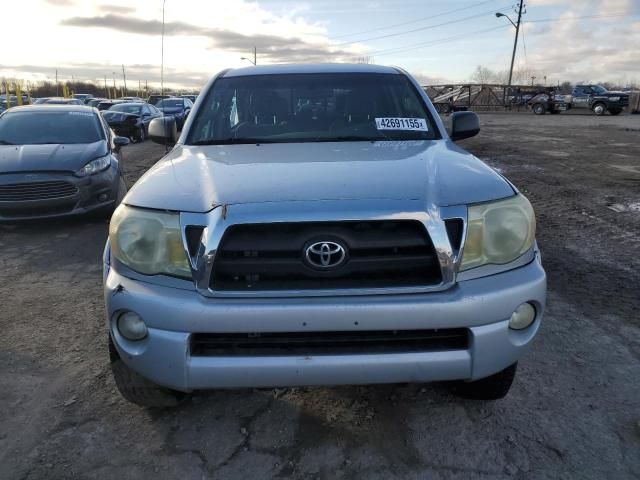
{"x":102,"y":197}
{"x":131,"y":326}
{"x":522,"y":317}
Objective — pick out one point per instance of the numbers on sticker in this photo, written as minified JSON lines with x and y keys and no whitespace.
{"x":416,"y":124}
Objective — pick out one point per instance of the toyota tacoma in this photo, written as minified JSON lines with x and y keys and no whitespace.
{"x":317,"y":225}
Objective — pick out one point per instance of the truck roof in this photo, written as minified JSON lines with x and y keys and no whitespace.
{"x":310,"y":68}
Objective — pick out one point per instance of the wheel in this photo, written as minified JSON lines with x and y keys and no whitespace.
{"x":438,"y":108}
{"x":137,"y":389}
{"x":446,"y":108}
{"x":142,"y":136}
{"x":615,"y":111}
{"x":538,"y":109}
{"x":599,"y":109}
{"x":494,"y":387}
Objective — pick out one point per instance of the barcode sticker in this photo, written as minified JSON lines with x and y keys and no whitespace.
{"x":414,"y":124}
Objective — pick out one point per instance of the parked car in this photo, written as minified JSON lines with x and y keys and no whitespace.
{"x":107,"y":104}
{"x":57,"y":161}
{"x":177,"y":107}
{"x":193,"y":98}
{"x":131,"y":119}
{"x":94,"y":102}
{"x":58,"y":101}
{"x":83,"y":97}
{"x":599,"y":99}
{"x":130,"y":99}
{"x":316,"y":224}
{"x":154,"y":99}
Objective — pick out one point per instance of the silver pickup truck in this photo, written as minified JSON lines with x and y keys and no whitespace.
{"x":317,"y":225}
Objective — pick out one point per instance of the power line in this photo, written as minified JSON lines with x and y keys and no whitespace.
{"x":418,"y":29}
{"x":434,"y":42}
{"x":583,"y":17}
{"x":414,"y":21}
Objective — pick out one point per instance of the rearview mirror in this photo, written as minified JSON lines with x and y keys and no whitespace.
{"x":120,"y":142}
{"x":464,"y":125}
{"x":164,"y":131}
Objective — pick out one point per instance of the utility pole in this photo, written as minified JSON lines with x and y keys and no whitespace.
{"x":162,"y":54}
{"x":515,"y":42}
{"x":532,"y":79}
{"x":255,"y":55}
{"x":57,"y":85}
{"x":124,"y":78}
{"x":106,"y":89}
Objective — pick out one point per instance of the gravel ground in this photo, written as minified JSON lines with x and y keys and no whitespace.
{"x":573,"y":412}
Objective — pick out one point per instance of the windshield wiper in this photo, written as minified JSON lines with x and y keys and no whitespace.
{"x":233,"y":141}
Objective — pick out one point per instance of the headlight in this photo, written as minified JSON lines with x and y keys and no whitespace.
{"x":95,"y":166}
{"x":498,"y":232}
{"x":148,"y":241}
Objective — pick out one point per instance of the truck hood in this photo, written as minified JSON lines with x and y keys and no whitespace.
{"x":195,"y":179}
{"x":49,"y":157}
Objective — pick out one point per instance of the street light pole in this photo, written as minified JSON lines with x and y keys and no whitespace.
{"x":162,"y":54}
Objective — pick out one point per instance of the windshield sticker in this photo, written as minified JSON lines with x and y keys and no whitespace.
{"x":413,"y":124}
{"x":84,"y":114}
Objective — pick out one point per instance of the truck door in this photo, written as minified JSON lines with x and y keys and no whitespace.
{"x":580,"y":97}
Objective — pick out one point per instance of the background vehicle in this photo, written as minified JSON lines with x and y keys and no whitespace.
{"x":93,"y":102}
{"x":315,"y":224}
{"x":131,"y":119}
{"x":57,"y":160}
{"x":107,"y":104}
{"x":130,"y":99}
{"x":58,"y":101}
{"x":599,"y":99}
{"x":548,"y":101}
{"x":83,"y":97}
{"x":177,"y":107}
{"x":190,"y":97}
{"x":154,"y":99}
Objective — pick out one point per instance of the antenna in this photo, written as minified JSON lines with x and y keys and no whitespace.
{"x":164,"y":118}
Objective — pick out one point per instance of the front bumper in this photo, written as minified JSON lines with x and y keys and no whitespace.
{"x":482,"y":305}
{"x":85,"y":200}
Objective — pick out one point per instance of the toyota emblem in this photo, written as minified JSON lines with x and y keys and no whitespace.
{"x":325,"y":255}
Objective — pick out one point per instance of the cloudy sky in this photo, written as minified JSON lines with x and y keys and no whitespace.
{"x":576,"y":40}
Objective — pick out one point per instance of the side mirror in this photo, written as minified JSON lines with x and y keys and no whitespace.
{"x":164,"y":131}
{"x":464,"y":125}
{"x":120,"y":142}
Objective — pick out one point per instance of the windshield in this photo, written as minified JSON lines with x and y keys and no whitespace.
{"x":38,"y":127}
{"x":127,"y":108}
{"x":311,"y":108}
{"x":170,"y":104}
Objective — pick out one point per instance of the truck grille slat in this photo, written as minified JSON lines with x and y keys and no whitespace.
{"x":381,"y":254}
{"x":328,"y":343}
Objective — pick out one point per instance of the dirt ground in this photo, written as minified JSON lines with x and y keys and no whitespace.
{"x":573,"y":412}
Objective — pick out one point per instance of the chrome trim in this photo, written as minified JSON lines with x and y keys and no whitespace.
{"x":222,"y":217}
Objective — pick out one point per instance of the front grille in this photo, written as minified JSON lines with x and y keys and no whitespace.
{"x":328,"y":343}
{"x":380,"y":254}
{"x":21,"y":192}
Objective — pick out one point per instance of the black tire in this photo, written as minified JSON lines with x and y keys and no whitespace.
{"x":142,"y":135}
{"x":494,"y":387}
{"x":538,"y":108}
{"x":438,"y":108}
{"x":599,"y":108}
{"x":446,"y":108}
{"x":137,"y":389}
{"x":615,"y":111}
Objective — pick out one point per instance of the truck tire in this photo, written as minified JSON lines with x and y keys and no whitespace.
{"x":538,"y":109}
{"x":615,"y":111}
{"x":438,"y":108}
{"x":494,"y":387}
{"x":446,"y":108}
{"x":139,"y":390}
{"x":599,"y":108}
